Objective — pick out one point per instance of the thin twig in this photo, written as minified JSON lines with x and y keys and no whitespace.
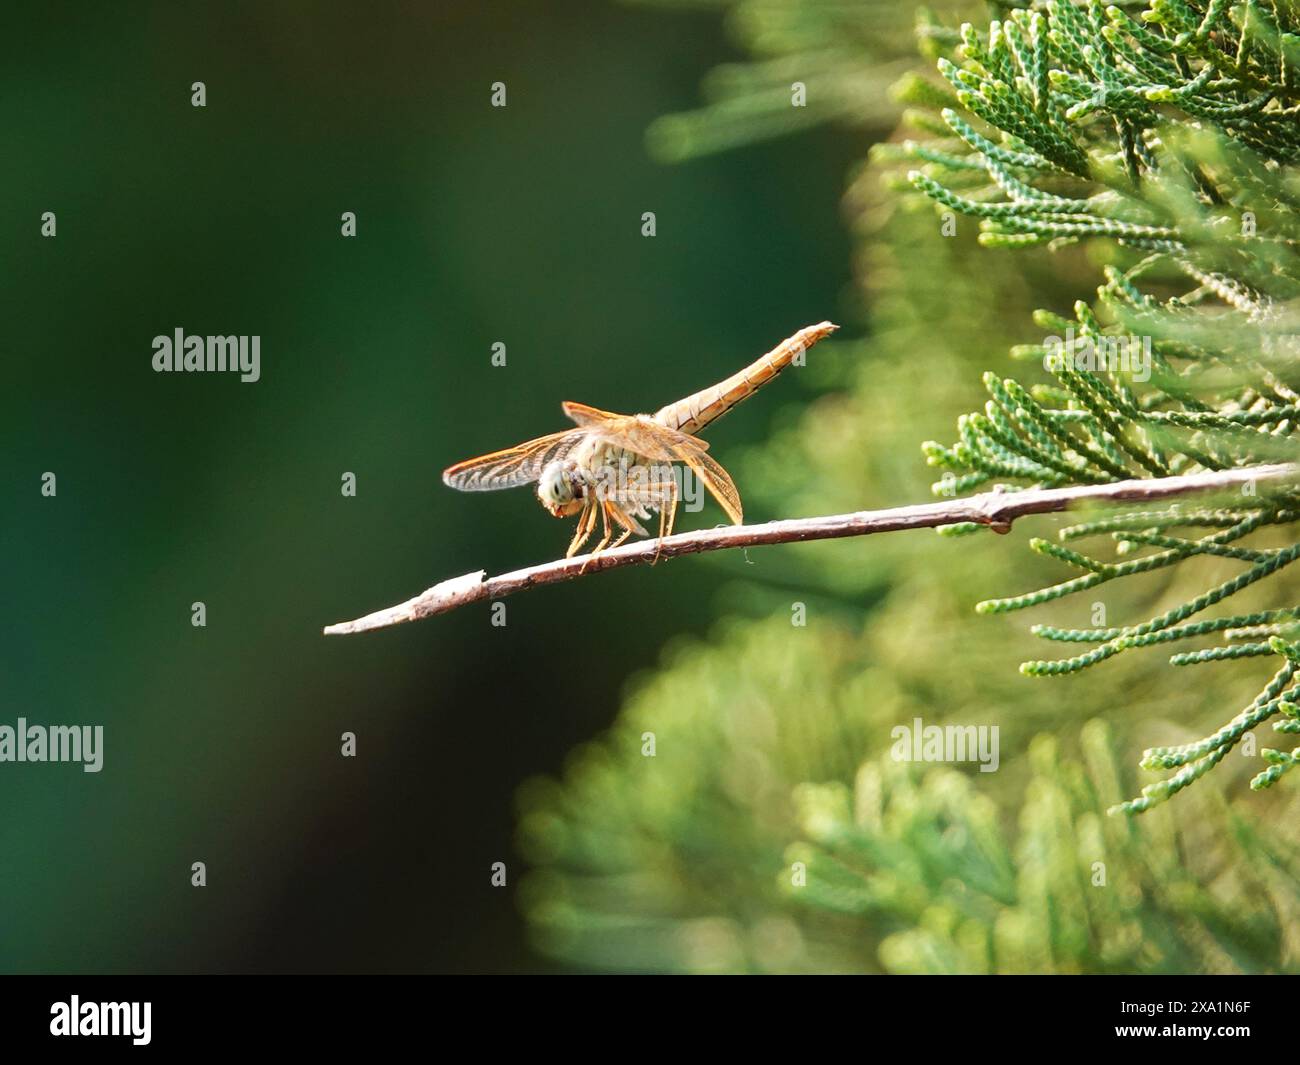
{"x":995,"y":509}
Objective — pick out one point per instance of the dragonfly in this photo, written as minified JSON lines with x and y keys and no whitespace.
{"x":618,"y":469}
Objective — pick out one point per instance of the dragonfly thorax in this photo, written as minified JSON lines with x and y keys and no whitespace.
{"x":597,"y":470}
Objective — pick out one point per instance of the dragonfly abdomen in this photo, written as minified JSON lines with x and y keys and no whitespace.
{"x":693,"y":413}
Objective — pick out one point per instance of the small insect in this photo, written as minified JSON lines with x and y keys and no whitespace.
{"x":618,"y":468}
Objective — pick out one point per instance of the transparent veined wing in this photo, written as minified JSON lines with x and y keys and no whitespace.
{"x":647,"y":437}
{"x":514,"y":466}
{"x":581,"y":414}
{"x":717,"y":481}
{"x":662,"y":444}
{"x":636,"y":432}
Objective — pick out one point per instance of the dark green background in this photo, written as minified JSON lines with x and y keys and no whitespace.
{"x":475,"y":225}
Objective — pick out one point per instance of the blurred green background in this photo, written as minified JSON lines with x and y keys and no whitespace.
{"x":480,"y":744}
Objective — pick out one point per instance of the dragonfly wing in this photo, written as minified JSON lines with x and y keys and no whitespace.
{"x":716,"y":480}
{"x":658,"y":442}
{"x":514,"y":466}
{"x":581,"y":414}
{"x":655,"y":441}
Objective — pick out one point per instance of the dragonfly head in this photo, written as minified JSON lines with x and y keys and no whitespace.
{"x":559,"y":489}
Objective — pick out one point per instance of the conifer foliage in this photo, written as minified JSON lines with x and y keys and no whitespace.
{"x":1169,"y":135}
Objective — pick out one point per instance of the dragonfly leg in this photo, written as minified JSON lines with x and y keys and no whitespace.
{"x":626,"y":520}
{"x":606,"y":534}
{"x":667,"y":515}
{"x":586,"y":526}
{"x":662,"y":495}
